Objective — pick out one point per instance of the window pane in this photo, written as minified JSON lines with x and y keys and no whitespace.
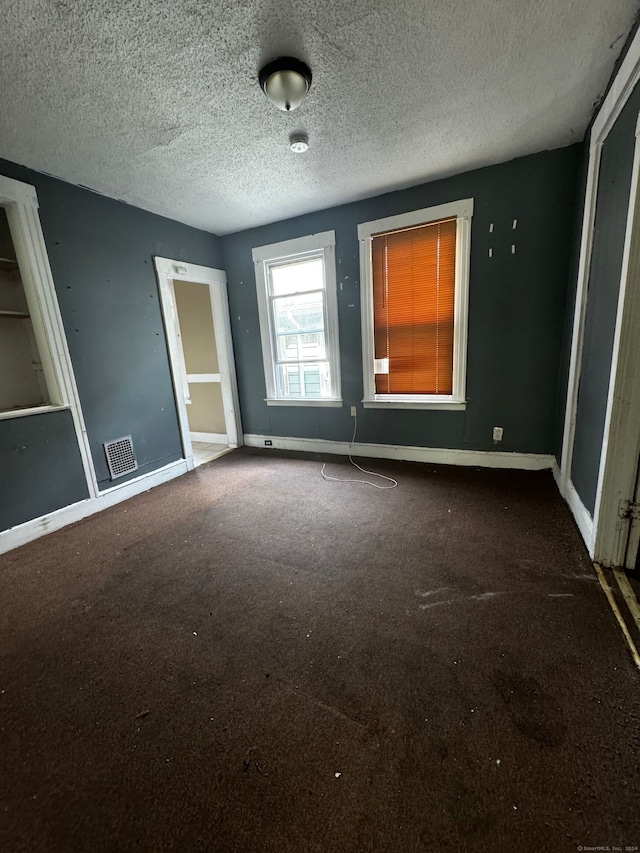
{"x":297,"y":277}
{"x":298,"y":314}
{"x":304,"y":380}
{"x":414,"y":308}
{"x":300,"y":347}
{"x":296,"y":291}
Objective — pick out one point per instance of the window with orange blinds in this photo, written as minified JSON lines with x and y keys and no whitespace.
{"x":414,"y":276}
{"x":414,"y":300}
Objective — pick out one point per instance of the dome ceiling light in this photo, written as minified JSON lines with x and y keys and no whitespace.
{"x":285,"y":81}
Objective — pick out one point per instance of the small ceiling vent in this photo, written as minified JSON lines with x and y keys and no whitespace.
{"x":121,"y":456}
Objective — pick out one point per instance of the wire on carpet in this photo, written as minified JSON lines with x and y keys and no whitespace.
{"x":393,"y":483}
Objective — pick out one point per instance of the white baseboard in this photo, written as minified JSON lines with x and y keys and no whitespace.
{"x":579,"y":511}
{"x":557,"y":476}
{"x":23,"y":533}
{"x":210,"y":437}
{"x":440,"y":456}
{"x":581,"y":515}
{"x":479,"y":458}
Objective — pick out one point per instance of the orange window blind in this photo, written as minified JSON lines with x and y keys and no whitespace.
{"x":414,"y":271}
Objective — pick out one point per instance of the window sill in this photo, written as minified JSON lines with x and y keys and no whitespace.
{"x":434,"y":405}
{"x":34,"y":410}
{"x":274,"y":401}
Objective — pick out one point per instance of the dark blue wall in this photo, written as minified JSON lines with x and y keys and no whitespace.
{"x":516,"y":311}
{"x":40,"y":466}
{"x":101,"y":253}
{"x":614,"y":186}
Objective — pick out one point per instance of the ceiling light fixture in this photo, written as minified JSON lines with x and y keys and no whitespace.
{"x":299,"y":143}
{"x":285,"y":81}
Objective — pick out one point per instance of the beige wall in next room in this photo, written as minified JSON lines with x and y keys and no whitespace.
{"x":206,"y":412}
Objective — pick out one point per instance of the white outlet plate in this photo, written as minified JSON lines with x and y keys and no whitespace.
{"x":497,"y":433}
{"x":353,"y":411}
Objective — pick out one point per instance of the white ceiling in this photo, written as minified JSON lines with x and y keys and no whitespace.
{"x":157,"y":102}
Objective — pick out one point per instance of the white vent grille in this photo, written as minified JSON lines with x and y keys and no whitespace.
{"x":121,"y":456}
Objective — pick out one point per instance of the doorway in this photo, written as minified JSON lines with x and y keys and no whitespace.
{"x":196,"y":319}
{"x":616,"y":518}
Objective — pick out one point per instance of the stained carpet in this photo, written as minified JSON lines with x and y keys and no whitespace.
{"x":250,"y":658}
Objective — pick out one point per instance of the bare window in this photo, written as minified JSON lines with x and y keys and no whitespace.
{"x":299,"y":320}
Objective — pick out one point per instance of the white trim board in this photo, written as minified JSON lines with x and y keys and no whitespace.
{"x":579,"y":511}
{"x":433,"y":455}
{"x":461,"y":207}
{"x":621,"y":436}
{"x":580,"y":312}
{"x":605,"y":537}
{"x":36,"y":410}
{"x":621,"y":89}
{"x":37,"y":527}
{"x":581,"y":515}
{"x":203,"y":377}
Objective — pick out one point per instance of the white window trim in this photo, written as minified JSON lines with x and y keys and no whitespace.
{"x":20,"y":201}
{"x":463,"y":211}
{"x":262,"y":257}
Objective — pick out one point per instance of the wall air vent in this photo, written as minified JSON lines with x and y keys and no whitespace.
{"x":121,"y":456}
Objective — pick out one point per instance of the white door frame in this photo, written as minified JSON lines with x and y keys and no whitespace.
{"x":606,"y":533}
{"x":621,"y":440}
{"x":167,"y":270}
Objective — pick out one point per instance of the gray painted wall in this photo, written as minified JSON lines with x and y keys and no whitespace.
{"x":604,"y":283}
{"x":40,"y":465}
{"x":516,"y":314}
{"x":101,"y":253}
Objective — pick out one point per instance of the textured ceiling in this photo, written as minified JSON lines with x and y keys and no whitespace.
{"x":157,"y":101}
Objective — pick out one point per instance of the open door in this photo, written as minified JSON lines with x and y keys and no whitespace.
{"x":196,"y":317}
